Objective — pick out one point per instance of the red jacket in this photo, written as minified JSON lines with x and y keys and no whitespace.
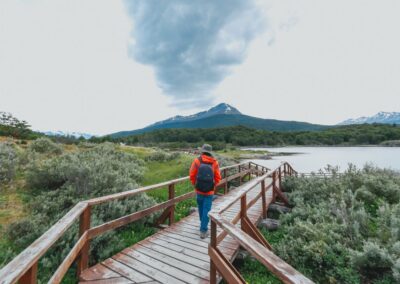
{"x":195,"y":167}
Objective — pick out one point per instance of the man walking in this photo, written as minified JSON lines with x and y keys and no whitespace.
{"x":205,"y":175}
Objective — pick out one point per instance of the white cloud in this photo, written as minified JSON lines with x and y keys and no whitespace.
{"x":65,"y":65}
{"x":340,"y":59}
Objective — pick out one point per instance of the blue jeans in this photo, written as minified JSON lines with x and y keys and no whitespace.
{"x":204,"y":203}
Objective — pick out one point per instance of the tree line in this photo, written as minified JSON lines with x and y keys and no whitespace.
{"x":365,"y":134}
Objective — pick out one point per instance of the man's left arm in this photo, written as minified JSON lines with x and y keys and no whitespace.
{"x":217,"y":174}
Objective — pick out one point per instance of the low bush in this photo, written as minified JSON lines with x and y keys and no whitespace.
{"x":45,"y":146}
{"x":8,"y":162}
{"x":344,"y":229}
{"x":62,"y":181}
{"x":162,"y":156}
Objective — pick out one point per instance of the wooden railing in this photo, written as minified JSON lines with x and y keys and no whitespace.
{"x":248,"y":235}
{"x":24,"y":267}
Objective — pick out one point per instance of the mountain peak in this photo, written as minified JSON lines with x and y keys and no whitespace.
{"x":224,"y":108}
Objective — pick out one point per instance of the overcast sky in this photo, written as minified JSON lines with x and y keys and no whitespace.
{"x":101,"y":66}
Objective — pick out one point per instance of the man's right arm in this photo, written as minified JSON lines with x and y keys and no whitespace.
{"x":193,"y":172}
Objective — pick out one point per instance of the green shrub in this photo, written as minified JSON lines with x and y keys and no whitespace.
{"x":373,"y":260}
{"x":344,"y":229}
{"x":45,"y":146}
{"x":8,"y":162}
{"x":60,"y":182}
{"x":162,"y":156}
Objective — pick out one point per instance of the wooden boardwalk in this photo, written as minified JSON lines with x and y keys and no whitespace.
{"x":172,"y":255}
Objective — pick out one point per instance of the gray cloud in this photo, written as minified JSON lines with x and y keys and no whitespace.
{"x":192,"y":43}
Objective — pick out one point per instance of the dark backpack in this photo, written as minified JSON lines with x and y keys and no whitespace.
{"x":205,"y":177}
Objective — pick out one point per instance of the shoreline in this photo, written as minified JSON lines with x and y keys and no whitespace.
{"x":259,"y":148}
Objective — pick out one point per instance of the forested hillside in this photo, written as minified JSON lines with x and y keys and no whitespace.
{"x":365,"y":134}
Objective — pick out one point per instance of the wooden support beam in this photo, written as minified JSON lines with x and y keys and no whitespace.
{"x":83,"y":256}
{"x":280,"y":177}
{"x":226,"y":183}
{"x":224,"y":267}
{"x":277,"y":266}
{"x":162,"y":218}
{"x":240,"y":176}
{"x":30,"y":277}
{"x":171,"y":195}
{"x":213,"y":245}
{"x":273,"y":186}
{"x":250,"y":229}
{"x":263,"y":199}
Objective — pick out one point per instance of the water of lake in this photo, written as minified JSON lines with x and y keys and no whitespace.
{"x":311,"y":159}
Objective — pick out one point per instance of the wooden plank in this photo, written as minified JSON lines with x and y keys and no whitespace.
{"x":26,"y":259}
{"x":185,"y":244}
{"x":182,"y":256}
{"x":153,"y":272}
{"x":118,"y":280}
{"x":160,"y":245}
{"x":181,"y":243}
{"x":192,"y":235}
{"x":199,"y":272}
{"x":98,"y":272}
{"x":126,"y":271}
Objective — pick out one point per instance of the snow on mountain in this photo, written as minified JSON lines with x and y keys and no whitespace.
{"x":380,"y":117}
{"x":67,"y":133}
{"x":222,"y":108}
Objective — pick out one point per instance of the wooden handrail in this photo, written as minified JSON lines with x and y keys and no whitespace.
{"x":248,"y":236}
{"x":17,"y":267}
{"x":26,"y":262}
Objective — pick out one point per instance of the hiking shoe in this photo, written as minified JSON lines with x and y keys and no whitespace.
{"x":204,"y":235}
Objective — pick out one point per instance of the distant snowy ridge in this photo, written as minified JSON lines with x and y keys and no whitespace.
{"x":67,"y":133}
{"x":380,"y":117}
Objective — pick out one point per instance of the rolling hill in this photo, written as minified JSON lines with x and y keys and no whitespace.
{"x":222,"y":115}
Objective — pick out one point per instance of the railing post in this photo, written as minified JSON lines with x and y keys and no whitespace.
{"x":226,"y":181}
{"x":263,"y":198}
{"x":83,"y":257}
{"x":280,"y":177}
{"x":30,"y":277}
{"x":171,"y":195}
{"x":243,"y":209}
{"x":273,"y":185}
{"x":213,"y":244}
{"x":240,"y":177}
